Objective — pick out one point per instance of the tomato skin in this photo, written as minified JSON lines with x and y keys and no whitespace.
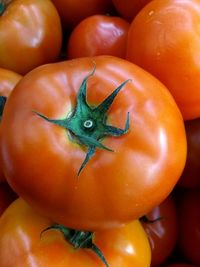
{"x":72,"y":12}
{"x":8,"y":80}
{"x":190,"y":176}
{"x":189,"y":225}
{"x":98,"y":35}
{"x":7,"y":196}
{"x":163,"y":40}
{"x":20,"y":229}
{"x":162,"y":233}
{"x":129,"y":9}
{"x":154,"y":149}
{"x":34,"y":40}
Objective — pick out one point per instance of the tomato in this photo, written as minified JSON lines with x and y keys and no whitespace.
{"x":7,"y":196}
{"x":54,"y":149}
{"x":190,"y":177}
{"x":30,"y":34}
{"x":163,"y":40}
{"x":162,"y":230}
{"x":98,"y":35}
{"x":189,"y":225}
{"x":128,"y":9}
{"x":179,"y":265}
{"x":8,"y":80}
{"x":20,"y":232}
{"x":72,"y":12}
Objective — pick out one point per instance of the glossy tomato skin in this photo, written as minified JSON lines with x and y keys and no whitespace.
{"x":30,"y":34}
{"x":20,"y":229}
{"x":98,"y":35}
{"x":8,"y":80}
{"x":72,"y":12}
{"x":189,"y":225}
{"x":41,"y":161}
{"x":162,"y":233}
{"x":129,"y":9}
{"x":163,"y":40}
{"x":190,"y":177}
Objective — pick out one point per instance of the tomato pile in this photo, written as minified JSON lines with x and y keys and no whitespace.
{"x":99,"y":133}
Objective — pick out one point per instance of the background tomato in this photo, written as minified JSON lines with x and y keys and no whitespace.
{"x":72,"y":12}
{"x":30,"y":35}
{"x":8,"y":80}
{"x":21,"y":227}
{"x":189,"y":225}
{"x":142,"y":170}
{"x":191,"y":174}
{"x":128,"y":9}
{"x":162,"y":230}
{"x":163,"y":40}
{"x":98,"y":35}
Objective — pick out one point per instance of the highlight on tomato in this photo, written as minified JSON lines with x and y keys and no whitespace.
{"x":31,"y":34}
{"x":8,"y":80}
{"x":96,"y":142}
{"x":98,"y":35}
{"x":22,"y":232}
{"x":163,"y":40}
{"x":161,"y":226}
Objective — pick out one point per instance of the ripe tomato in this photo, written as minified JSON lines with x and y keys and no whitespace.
{"x":163,"y":40}
{"x":98,"y":35}
{"x":30,"y":34}
{"x":7,"y":196}
{"x":20,"y":232}
{"x":189,"y":225}
{"x":72,"y":12}
{"x":57,"y":130}
{"x":190,"y":177}
{"x":8,"y":80}
{"x":162,"y":230}
{"x":128,"y":9}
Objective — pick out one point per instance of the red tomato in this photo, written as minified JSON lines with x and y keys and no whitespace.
{"x":72,"y":12}
{"x":8,"y":80}
{"x":20,"y":233}
{"x":189,"y":225}
{"x":42,"y":159}
{"x":163,"y":39}
{"x":162,"y":231}
{"x":191,"y":174}
{"x":98,"y":35}
{"x":30,"y":34}
{"x":7,"y":196}
{"x":128,"y":9}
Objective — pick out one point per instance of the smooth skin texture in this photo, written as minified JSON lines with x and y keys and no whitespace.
{"x":8,"y":80}
{"x":20,"y":232}
{"x":98,"y":35}
{"x":42,"y":160}
{"x":30,"y":35}
{"x":164,"y":40}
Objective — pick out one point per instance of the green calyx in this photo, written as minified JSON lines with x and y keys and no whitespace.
{"x":3,"y":5}
{"x":2,"y":104}
{"x":78,"y":239}
{"x":87,"y":124}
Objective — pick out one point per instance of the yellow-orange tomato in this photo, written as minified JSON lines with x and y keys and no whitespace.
{"x":21,"y":227}
{"x":98,"y":35}
{"x":30,"y":34}
{"x":164,"y":39}
{"x":8,"y":80}
{"x":58,"y":128}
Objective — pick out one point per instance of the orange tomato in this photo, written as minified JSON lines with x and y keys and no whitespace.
{"x":20,"y":233}
{"x":163,"y":39}
{"x":30,"y":34}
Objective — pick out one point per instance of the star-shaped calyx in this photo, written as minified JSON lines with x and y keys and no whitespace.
{"x":87,"y":124}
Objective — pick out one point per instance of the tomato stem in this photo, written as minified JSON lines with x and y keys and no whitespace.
{"x":87,"y":124}
{"x":78,"y":239}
